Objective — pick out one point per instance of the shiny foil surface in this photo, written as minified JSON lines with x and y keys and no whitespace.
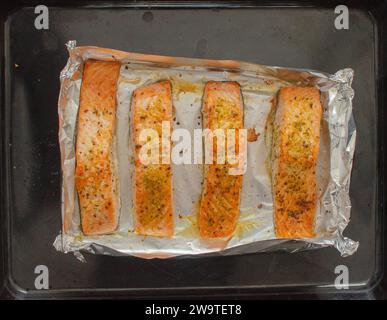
{"x":259,"y":84}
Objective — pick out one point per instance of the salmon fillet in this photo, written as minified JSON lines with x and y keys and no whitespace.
{"x":96,"y":171}
{"x":220,"y":201}
{"x":296,"y":143}
{"x":151,"y":105}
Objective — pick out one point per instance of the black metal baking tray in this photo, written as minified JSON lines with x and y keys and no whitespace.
{"x":292,"y":34}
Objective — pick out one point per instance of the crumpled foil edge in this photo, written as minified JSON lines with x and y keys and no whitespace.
{"x":342,"y":133}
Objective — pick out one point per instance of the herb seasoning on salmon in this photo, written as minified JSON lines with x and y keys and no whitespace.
{"x":220,"y":201}
{"x":151,"y":106}
{"x":96,"y":171}
{"x":296,"y":142}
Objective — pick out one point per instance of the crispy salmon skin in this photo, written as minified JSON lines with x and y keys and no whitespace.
{"x":220,"y":200}
{"x":151,"y":105}
{"x":95,"y":173}
{"x":296,"y":143}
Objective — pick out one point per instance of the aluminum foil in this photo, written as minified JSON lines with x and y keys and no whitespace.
{"x":259,"y":84}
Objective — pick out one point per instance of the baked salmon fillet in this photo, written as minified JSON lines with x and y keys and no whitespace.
{"x":151,"y":105}
{"x":96,"y":169}
{"x":220,"y":200}
{"x":296,"y":143}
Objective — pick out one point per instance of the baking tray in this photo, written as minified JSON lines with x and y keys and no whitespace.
{"x":295,"y":34}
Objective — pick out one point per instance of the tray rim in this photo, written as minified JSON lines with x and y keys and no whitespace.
{"x":11,"y":287}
